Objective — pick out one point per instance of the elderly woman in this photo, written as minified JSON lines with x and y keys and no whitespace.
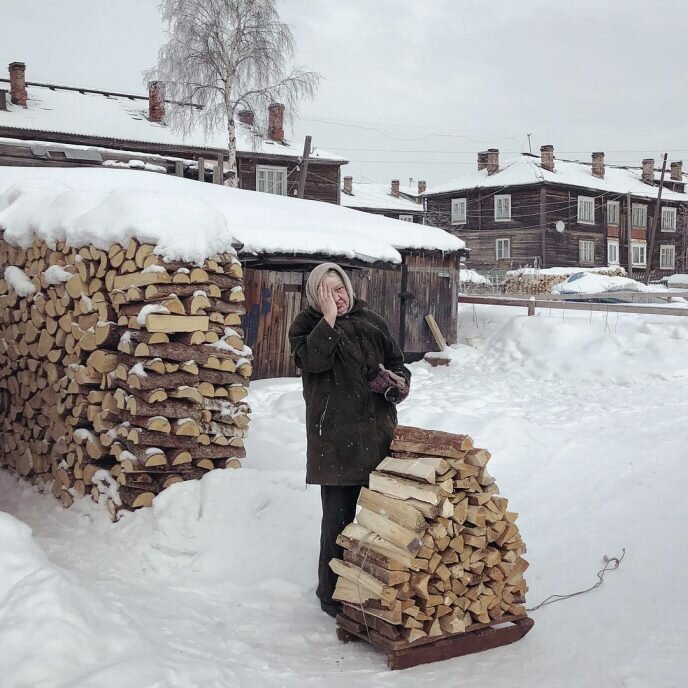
{"x":353,"y":376}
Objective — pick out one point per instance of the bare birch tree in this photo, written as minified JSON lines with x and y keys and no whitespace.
{"x":223,"y":56}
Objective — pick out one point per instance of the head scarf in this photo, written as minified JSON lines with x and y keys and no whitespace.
{"x":316,"y":277}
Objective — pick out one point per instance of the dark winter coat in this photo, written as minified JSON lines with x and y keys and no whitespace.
{"x":349,"y":428}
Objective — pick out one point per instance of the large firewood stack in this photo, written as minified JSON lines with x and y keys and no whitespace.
{"x":434,"y":550}
{"x":533,"y":282}
{"x":120,"y":373}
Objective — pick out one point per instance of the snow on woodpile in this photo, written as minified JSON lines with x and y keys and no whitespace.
{"x":534,"y":281}
{"x":594,"y":283}
{"x":120,"y":374}
{"x":191,"y":221}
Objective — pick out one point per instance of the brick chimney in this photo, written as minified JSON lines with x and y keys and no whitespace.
{"x":276,"y":122}
{"x":247,"y":117}
{"x":547,"y":158}
{"x":421,"y":187}
{"x":3,"y":99}
{"x":677,"y":171}
{"x":648,"y":174}
{"x":492,"y":160}
{"x":598,"y":164}
{"x":156,"y":101}
{"x":482,"y":161}
{"x":395,"y":188}
{"x":18,"y":83}
{"x":348,"y":185}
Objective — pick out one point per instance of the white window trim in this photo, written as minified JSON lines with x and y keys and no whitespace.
{"x":672,"y":212}
{"x":275,"y":168}
{"x":582,"y":201}
{"x":644,"y":245}
{"x":508,"y":249}
{"x":496,"y":203}
{"x":673,"y":251}
{"x":459,"y":218}
{"x":587,"y":243}
{"x":617,"y":205}
{"x":406,"y":218}
{"x":633,"y":207}
{"x":613,"y":242}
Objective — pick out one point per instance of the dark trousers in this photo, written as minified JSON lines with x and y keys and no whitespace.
{"x":339,"y":509}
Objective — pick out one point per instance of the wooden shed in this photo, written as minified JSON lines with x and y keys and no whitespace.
{"x":425,"y":282}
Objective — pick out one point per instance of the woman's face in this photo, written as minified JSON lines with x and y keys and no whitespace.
{"x":341,"y":296}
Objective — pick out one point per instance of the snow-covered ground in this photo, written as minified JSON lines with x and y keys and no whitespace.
{"x":214,"y":586}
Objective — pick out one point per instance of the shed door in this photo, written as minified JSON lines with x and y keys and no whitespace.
{"x":429,"y":286}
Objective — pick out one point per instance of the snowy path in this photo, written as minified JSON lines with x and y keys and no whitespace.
{"x":213,"y":587}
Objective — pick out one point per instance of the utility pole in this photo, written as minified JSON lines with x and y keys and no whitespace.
{"x":629,"y":234}
{"x":304,"y":167}
{"x":530,"y":148}
{"x":653,"y":229}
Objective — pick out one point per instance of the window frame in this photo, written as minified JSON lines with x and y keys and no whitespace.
{"x":406,"y":218}
{"x":639,"y":206}
{"x":273,"y":168}
{"x":508,"y":247}
{"x":615,"y":243}
{"x":582,"y":202}
{"x":497,"y":199}
{"x":456,"y":217}
{"x":586,"y":244}
{"x":617,"y":206}
{"x":662,"y":247}
{"x":643,"y":244}
{"x":671,"y":212}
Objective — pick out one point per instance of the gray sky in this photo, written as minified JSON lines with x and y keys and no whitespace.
{"x":412,"y":88}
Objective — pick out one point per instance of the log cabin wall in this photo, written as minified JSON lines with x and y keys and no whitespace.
{"x":322,"y":179}
{"x":535,"y":211}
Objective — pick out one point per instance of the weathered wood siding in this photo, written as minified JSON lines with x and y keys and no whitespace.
{"x":535,"y":211}
{"x":273,"y":300}
{"x":322,"y":179}
{"x":432,"y":282}
{"x":395,"y":214}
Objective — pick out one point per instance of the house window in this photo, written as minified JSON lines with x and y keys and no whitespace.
{"x":612,"y":212}
{"x":612,"y":252}
{"x":502,"y":207}
{"x":669,"y":220}
{"x":458,"y":211}
{"x":406,"y":218}
{"x":639,"y":215}
{"x":586,"y":210}
{"x":667,"y":256}
{"x":503,"y":248}
{"x":639,"y":253}
{"x":271,"y":179}
{"x":586,"y":252}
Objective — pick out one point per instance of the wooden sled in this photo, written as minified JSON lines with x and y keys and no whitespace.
{"x":403,"y":655}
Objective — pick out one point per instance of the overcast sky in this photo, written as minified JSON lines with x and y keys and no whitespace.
{"x":413,"y":88}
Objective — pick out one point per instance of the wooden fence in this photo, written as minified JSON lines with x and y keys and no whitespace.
{"x":532,"y":304}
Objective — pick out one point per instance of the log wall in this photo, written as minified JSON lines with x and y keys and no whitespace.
{"x":119,"y":374}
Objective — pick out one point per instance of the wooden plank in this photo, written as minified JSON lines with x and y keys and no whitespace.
{"x":441,"y":343}
{"x":574,"y":306}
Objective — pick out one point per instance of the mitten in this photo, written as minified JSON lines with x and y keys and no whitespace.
{"x":381,"y":382}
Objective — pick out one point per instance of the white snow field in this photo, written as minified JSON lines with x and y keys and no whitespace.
{"x":213,"y":587}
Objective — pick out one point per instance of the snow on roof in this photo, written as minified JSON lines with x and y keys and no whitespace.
{"x":526,"y":169}
{"x":378,"y":197}
{"x":126,"y":118}
{"x":190,"y":220}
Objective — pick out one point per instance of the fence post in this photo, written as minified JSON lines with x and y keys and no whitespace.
{"x":531,"y":306}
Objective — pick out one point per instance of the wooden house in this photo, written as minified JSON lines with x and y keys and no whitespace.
{"x":380,"y":199}
{"x":548,"y":212}
{"x":50,"y":125}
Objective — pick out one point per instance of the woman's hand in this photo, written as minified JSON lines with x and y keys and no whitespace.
{"x":327,"y":303}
